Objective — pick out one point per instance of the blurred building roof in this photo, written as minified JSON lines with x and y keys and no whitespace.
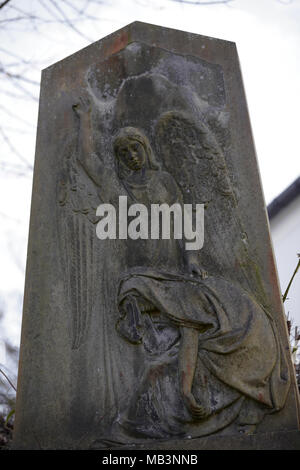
{"x":287,"y":196}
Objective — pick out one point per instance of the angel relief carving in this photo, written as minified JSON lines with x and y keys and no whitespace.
{"x":210,"y":351}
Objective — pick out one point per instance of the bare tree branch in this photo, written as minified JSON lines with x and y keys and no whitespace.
{"x":18,"y":97}
{"x":68,"y":22}
{"x":81,"y":11}
{"x":15,"y":151}
{"x":18,"y":77}
{"x":25,"y":13}
{"x":204,"y":2}
{"x":4,"y":3}
{"x":9,"y":381}
{"x":15,"y":116}
{"x":21,"y":60}
{"x":284,"y":297}
{"x":15,"y":169}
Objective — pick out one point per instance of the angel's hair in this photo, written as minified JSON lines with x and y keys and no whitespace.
{"x":133,"y":134}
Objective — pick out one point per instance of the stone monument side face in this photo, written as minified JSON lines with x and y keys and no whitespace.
{"x":140,"y":340}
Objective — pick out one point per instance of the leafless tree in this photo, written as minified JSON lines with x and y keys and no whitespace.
{"x":19,"y":72}
{"x":204,"y":2}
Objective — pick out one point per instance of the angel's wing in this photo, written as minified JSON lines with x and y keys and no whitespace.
{"x":185,"y":145}
{"x":192,"y":154}
{"x":78,"y":198}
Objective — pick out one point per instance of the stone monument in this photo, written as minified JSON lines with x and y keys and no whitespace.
{"x":138,"y":341}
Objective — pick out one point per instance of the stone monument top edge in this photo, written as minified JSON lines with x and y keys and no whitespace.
{"x":169,"y":30}
{"x":138,"y":31}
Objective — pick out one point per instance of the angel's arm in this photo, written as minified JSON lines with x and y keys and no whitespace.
{"x":92,"y":163}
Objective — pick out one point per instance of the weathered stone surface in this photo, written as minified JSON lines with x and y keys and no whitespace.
{"x":289,"y":440}
{"x":128,"y":341}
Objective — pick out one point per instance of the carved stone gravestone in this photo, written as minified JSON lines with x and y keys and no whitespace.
{"x":140,"y":340}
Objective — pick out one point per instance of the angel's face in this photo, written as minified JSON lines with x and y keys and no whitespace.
{"x":132,"y":153}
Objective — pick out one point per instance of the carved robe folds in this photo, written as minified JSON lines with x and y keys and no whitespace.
{"x":231,"y":379}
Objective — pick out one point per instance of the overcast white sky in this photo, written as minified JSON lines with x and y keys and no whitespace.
{"x":267,"y":34}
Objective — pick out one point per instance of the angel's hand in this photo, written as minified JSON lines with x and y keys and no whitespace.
{"x":82,"y":107}
{"x":199,"y":412}
{"x":195,"y":269}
